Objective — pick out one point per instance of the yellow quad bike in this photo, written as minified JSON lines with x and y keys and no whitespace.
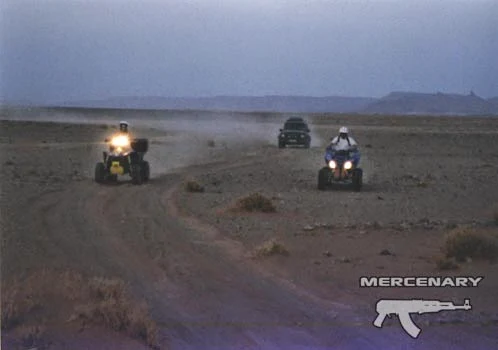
{"x":125,"y":157}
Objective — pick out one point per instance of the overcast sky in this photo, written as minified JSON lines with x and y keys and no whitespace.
{"x":77,"y":50}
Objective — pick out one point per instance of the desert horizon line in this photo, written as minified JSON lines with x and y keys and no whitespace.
{"x":470,"y":92}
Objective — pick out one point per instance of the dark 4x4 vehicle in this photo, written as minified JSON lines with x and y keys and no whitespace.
{"x":295,"y":132}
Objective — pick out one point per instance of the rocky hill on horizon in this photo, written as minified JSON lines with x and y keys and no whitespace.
{"x":433,"y":104}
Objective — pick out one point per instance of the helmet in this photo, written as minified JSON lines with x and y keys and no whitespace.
{"x":343,"y":130}
{"x":123,"y":126}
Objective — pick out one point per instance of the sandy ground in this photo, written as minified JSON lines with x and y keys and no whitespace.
{"x":191,"y":259}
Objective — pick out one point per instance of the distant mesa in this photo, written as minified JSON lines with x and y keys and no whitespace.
{"x":494,"y":102}
{"x":397,"y":102}
{"x":431,"y":104}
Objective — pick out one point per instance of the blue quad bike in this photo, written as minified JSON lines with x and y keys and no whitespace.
{"x":124,"y":157}
{"x":341,"y":168}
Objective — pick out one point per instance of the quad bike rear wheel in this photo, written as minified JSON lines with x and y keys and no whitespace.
{"x":146,"y":170}
{"x":140,"y":145}
{"x":100,"y":173}
{"x":137,"y":175}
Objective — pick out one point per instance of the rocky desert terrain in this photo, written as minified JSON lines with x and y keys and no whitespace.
{"x":177,"y":263}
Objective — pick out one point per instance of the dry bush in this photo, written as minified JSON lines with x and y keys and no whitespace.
{"x":32,"y":336}
{"x":445,"y":264}
{"x":271,"y":247}
{"x":422,"y":184}
{"x":256,"y":202}
{"x":193,"y":186}
{"x":16,"y":305}
{"x":22,"y":297}
{"x":464,"y":243}
{"x":211,"y":143}
{"x":99,"y":301}
{"x":111,"y":306}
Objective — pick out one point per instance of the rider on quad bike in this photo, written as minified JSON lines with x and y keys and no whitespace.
{"x":123,"y":127}
{"x":125,"y":156}
{"x":341,"y":158}
{"x":120,"y":142}
{"x":343,"y":142}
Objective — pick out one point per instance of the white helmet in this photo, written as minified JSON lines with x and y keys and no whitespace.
{"x":123,"y":126}
{"x":343,"y":130}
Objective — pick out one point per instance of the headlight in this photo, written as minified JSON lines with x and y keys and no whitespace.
{"x":302,"y":135}
{"x":332,"y":164}
{"x":120,"y":141}
{"x":348,"y":165}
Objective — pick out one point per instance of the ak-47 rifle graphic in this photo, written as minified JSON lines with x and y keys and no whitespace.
{"x":404,"y":307}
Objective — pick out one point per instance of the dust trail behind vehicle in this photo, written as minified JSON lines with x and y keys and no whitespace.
{"x":192,"y":137}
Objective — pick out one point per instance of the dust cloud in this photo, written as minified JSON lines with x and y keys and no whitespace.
{"x":177,"y":138}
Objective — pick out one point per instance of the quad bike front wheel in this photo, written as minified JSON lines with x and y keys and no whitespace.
{"x":323,"y":178}
{"x":357,"y":177}
{"x":100,"y":173}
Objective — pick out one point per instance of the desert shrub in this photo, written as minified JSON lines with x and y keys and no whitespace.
{"x":193,"y":186}
{"x":211,"y":143}
{"x":445,"y":264}
{"x":271,"y":247}
{"x":16,"y":305}
{"x":463,"y":243}
{"x":256,"y":202}
{"x":32,"y":336}
{"x":22,"y":297}
{"x":105,"y":288}
{"x":111,"y":306}
{"x":99,"y":301}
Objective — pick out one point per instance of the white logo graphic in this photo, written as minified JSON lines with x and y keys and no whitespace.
{"x":410,"y":282}
{"x":404,"y":307}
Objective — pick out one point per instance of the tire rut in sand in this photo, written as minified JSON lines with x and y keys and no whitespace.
{"x":212,"y":236}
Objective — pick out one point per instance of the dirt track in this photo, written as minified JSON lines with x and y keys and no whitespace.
{"x":190,"y":259}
